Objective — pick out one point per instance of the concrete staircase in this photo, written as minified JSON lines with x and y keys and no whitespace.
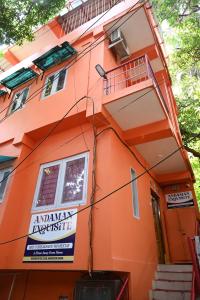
{"x":172,"y":282}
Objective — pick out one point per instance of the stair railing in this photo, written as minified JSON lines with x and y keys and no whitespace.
{"x":121,"y":292}
{"x":196,"y":269}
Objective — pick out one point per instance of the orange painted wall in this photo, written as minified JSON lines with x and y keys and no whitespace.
{"x":121,"y":242}
{"x":33,"y":285}
{"x":181,"y":223}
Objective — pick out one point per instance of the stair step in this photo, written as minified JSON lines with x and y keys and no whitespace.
{"x":174,"y":268}
{"x":172,"y":285}
{"x":173,"y":276}
{"x":169,"y":295}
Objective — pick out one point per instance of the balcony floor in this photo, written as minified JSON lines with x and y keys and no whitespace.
{"x":135,"y":106}
{"x":139,"y":105}
{"x":155,"y":151}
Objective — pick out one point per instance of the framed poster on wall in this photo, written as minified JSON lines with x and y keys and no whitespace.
{"x":51,"y":237}
{"x":181,"y":199}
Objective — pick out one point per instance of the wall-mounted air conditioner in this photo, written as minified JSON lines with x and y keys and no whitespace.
{"x":118,"y":44}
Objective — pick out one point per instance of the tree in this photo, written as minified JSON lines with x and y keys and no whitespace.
{"x":183,"y":37}
{"x":19,"y":18}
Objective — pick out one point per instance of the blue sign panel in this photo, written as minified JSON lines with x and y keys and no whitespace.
{"x":51,"y":237}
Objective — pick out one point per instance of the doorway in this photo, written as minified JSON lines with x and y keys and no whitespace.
{"x":158,"y":228}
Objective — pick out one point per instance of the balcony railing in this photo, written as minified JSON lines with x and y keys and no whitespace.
{"x":129,"y":74}
{"x":84,"y":13}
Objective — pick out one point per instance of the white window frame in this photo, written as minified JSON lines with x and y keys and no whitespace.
{"x":3,"y":170}
{"x":55,"y":83}
{"x":134,"y":195}
{"x":60,"y":184}
{"x":20,"y":107}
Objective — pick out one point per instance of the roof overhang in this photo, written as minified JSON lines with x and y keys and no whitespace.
{"x":2,"y":93}
{"x":55,"y":56}
{"x":18,"y":78}
{"x":4,"y":158}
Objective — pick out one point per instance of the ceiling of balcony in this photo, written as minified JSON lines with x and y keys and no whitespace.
{"x":136,"y":109}
{"x":155,"y":151}
{"x":138,"y":34}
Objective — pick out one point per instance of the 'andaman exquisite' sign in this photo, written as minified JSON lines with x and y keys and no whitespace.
{"x":51,"y":237}
{"x":182,"y":199}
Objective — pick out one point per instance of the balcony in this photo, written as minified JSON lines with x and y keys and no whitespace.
{"x":131,"y":73}
{"x":84,"y":13}
{"x":133,"y":98}
{"x":132,"y":94}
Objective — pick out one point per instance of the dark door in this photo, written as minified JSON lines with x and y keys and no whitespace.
{"x":158,"y":228}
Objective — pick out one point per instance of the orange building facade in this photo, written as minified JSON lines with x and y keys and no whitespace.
{"x":70,"y":137}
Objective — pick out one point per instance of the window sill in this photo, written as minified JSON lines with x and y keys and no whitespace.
{"x":45,"y":97}
{"x":60,"y":207}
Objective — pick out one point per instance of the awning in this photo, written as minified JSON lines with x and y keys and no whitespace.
{"x":55,"y":56}
{"x":19,"y":77}
{"x":6,"y":158}
{"x":2,"y":93}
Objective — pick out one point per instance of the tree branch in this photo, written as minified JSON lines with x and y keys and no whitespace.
{"x":194,"y":135}
{"x":194,"y":152}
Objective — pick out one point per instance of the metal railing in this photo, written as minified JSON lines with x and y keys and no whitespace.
{"x":196,"y":269}
{"x":84,"y":13}
{"x":131,"y":73}
{"x":122,"y":290}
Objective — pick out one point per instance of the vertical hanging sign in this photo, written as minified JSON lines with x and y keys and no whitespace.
{"x":182,"y":199}
{"x":51,"y":237}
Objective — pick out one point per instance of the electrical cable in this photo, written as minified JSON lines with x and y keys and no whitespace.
{"x":73,"y":61}
{"x":50,"y":29}
{"x":129,"y":149}
{"x":59,"y":121}
{"x":139,"y":97}
{"x":101,"y":199}
{"x":92,"y":200}
{"x":46,"y":136}
{"x":56,"y":148}
{"x":80,"y":36}
{"x":92,"y":204}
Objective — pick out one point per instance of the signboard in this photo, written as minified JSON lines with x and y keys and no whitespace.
{"x":177,"y":200}
{"x":52,"y":239}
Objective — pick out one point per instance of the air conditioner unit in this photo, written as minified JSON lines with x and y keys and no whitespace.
{"x":118,"y":44}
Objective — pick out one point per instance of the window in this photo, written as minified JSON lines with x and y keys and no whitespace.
{"x":54,"y":83}
{"x":19,"y":100}
{"x":4,"y":175}
{"x":62,"y":183}
{"x":135,"y":195}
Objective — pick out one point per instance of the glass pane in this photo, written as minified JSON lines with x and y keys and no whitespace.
{"x":48,"y":85}
{"x":135,"y":195}
{"x":74,"y":180}
{"x":48,"y":186}
{"x":99,"y":293}
{"x":16,"y":102}
{"x":4,"y":180}
{"x":24,"y":96}
{"x":61,"y":80}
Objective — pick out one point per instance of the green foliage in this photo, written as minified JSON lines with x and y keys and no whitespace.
{"x":196,"y":168}
{"x":19,"y":18}
{"x":175,"y":11}
{"x":183,"y":37}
